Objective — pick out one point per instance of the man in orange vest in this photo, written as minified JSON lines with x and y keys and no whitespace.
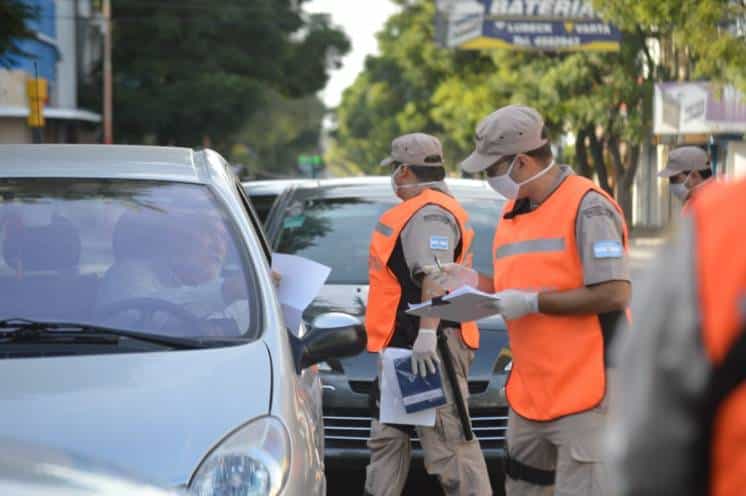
{"x":428,"y":227}
{"x":687,"y":170}
{"x":561,"y":272}
{"x":680,"y":426}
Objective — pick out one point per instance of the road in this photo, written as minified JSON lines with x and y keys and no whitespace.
{"x":350,"y":482}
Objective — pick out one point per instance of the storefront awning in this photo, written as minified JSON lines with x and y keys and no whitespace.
{"x":70,"y":114}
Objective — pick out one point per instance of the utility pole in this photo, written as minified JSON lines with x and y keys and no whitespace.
{"x":108,"y":131}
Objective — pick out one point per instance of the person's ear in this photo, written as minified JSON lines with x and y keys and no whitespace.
{"x":521,"y":161}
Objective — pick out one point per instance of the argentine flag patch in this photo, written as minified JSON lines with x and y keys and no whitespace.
{"x":608,"y":249}
{"x":438,"y":242}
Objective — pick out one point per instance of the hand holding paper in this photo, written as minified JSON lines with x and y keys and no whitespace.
{"x":452,"y":276}
{"x":299,"y":282}
{"x":465,"y":304}
{"x":515,"y":304}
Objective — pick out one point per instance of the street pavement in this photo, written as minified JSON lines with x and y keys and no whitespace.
{"x":351,"y":482}
{"x":643,"y":251}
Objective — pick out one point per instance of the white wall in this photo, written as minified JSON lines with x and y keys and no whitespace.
{"x":736,"y":164}
{"x":67,"y":74}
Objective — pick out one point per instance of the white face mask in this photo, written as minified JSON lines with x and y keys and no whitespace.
{"x":680,"y":191}
{"x":397,"y":187}
{"x":506,"y":186}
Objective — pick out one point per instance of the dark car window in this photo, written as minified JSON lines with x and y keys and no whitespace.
{"x":262,"y":205}
{"x":336,"y":232}
{"x":156,"y":257}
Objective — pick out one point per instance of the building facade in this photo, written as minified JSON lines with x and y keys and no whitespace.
{"x":64,"y":52}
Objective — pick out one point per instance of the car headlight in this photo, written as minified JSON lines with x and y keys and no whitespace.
{"x":252,"y":461}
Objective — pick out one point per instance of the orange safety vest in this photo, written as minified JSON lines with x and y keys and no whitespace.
{"x":385,"y":292}
{"x":558,"y":360}
{"x":719,"y":214}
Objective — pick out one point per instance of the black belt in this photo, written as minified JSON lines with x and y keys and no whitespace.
{"x":520,"y":471}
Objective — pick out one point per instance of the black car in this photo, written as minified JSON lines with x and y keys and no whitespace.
{"x":330,"y":221}
{"x":263,"y":193}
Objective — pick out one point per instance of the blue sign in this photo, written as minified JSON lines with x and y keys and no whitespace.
{"x":548,"y":25}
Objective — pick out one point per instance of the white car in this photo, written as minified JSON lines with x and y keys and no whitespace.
{"x":139,"y":324}
{"x":32,"y":470}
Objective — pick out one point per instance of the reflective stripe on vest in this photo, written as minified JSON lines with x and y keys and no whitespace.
{"x":558,"y":361}
{"x":719,"y":213}
{"x":385,"y":293}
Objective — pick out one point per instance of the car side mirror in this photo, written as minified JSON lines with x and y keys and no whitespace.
{"x":332,"y":335}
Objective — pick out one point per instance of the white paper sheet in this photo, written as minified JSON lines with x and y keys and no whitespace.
{"x":392,"y":407}
{"x":462,"y":305}
{"x":302,"y":279}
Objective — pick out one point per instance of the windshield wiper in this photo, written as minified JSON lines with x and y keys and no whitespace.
{"x":32,"y":330}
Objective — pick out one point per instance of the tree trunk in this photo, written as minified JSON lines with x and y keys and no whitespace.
{"x":581,"y":155}
{"x":597,"y":152}
{"x":627,"y":180}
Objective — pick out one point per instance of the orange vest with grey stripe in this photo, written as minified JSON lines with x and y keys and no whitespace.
{"x":719,"y":214}
{"x":558,"y":360}
{"x":385,"y":292}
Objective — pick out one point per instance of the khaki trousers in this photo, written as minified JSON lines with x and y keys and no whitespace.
{"x":459,"y":465}
{"x":572,"y":446}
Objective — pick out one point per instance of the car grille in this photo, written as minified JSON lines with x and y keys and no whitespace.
{"x":348,"y":432}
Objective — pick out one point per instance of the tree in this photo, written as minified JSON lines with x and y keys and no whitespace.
{"x":393,"y":95}
{"x":697,"y":38}
{"x":14,"y":18}
{"x":603,"y":100}
{"x":277,"y":133}
{"x":192,"y":73}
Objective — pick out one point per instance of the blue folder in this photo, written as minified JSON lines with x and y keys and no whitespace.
{"x":418,"y":393}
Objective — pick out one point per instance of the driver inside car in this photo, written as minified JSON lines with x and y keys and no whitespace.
{"x":181,"y":264}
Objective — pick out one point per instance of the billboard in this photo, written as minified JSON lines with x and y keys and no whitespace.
{"x":698,"y":108}
{"x":545,"y":25}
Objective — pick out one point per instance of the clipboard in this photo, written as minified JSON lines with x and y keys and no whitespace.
{"x":465,"y":304}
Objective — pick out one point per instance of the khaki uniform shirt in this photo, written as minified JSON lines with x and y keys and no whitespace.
{"x":431,"y":232}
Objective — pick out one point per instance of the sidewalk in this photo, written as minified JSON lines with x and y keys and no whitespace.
{"x":643,"y":249}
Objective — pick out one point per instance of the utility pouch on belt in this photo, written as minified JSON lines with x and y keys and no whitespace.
{"x":520,"y":471}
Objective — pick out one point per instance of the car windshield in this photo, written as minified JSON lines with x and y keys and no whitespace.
{"x":336,"y":232}
{"x":155,"y":257}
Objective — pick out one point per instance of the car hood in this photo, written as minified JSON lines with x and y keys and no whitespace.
{"x":153,"y":414}
{"x":352,"y":299}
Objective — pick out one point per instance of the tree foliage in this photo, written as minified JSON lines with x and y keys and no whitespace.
{"x":192,"y":73}
{"x":603,"y":100}
{"x":277,"y":133}
{"x":697,"y":38}
{"x":14,"y":18}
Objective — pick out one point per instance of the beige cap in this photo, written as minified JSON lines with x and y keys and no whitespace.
{"x":685,"y":158}
{"x":416,"y":149}
{"x":507,"y":131}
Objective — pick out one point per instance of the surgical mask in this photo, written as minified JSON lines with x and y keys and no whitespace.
{"x":506,"y":186}
{"x":679,"y":190}
{"x":397,"y":187}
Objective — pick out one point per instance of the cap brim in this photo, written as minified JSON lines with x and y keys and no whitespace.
{"x":668,"y":172}
{"x":386,"y":162}
{"x":476,"y":162}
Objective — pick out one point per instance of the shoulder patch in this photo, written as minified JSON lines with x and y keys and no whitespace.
{"x":438,"y":242}
{"x":437,"y":218}
{"x":608,"y":249}
{"x":597,"y":211}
